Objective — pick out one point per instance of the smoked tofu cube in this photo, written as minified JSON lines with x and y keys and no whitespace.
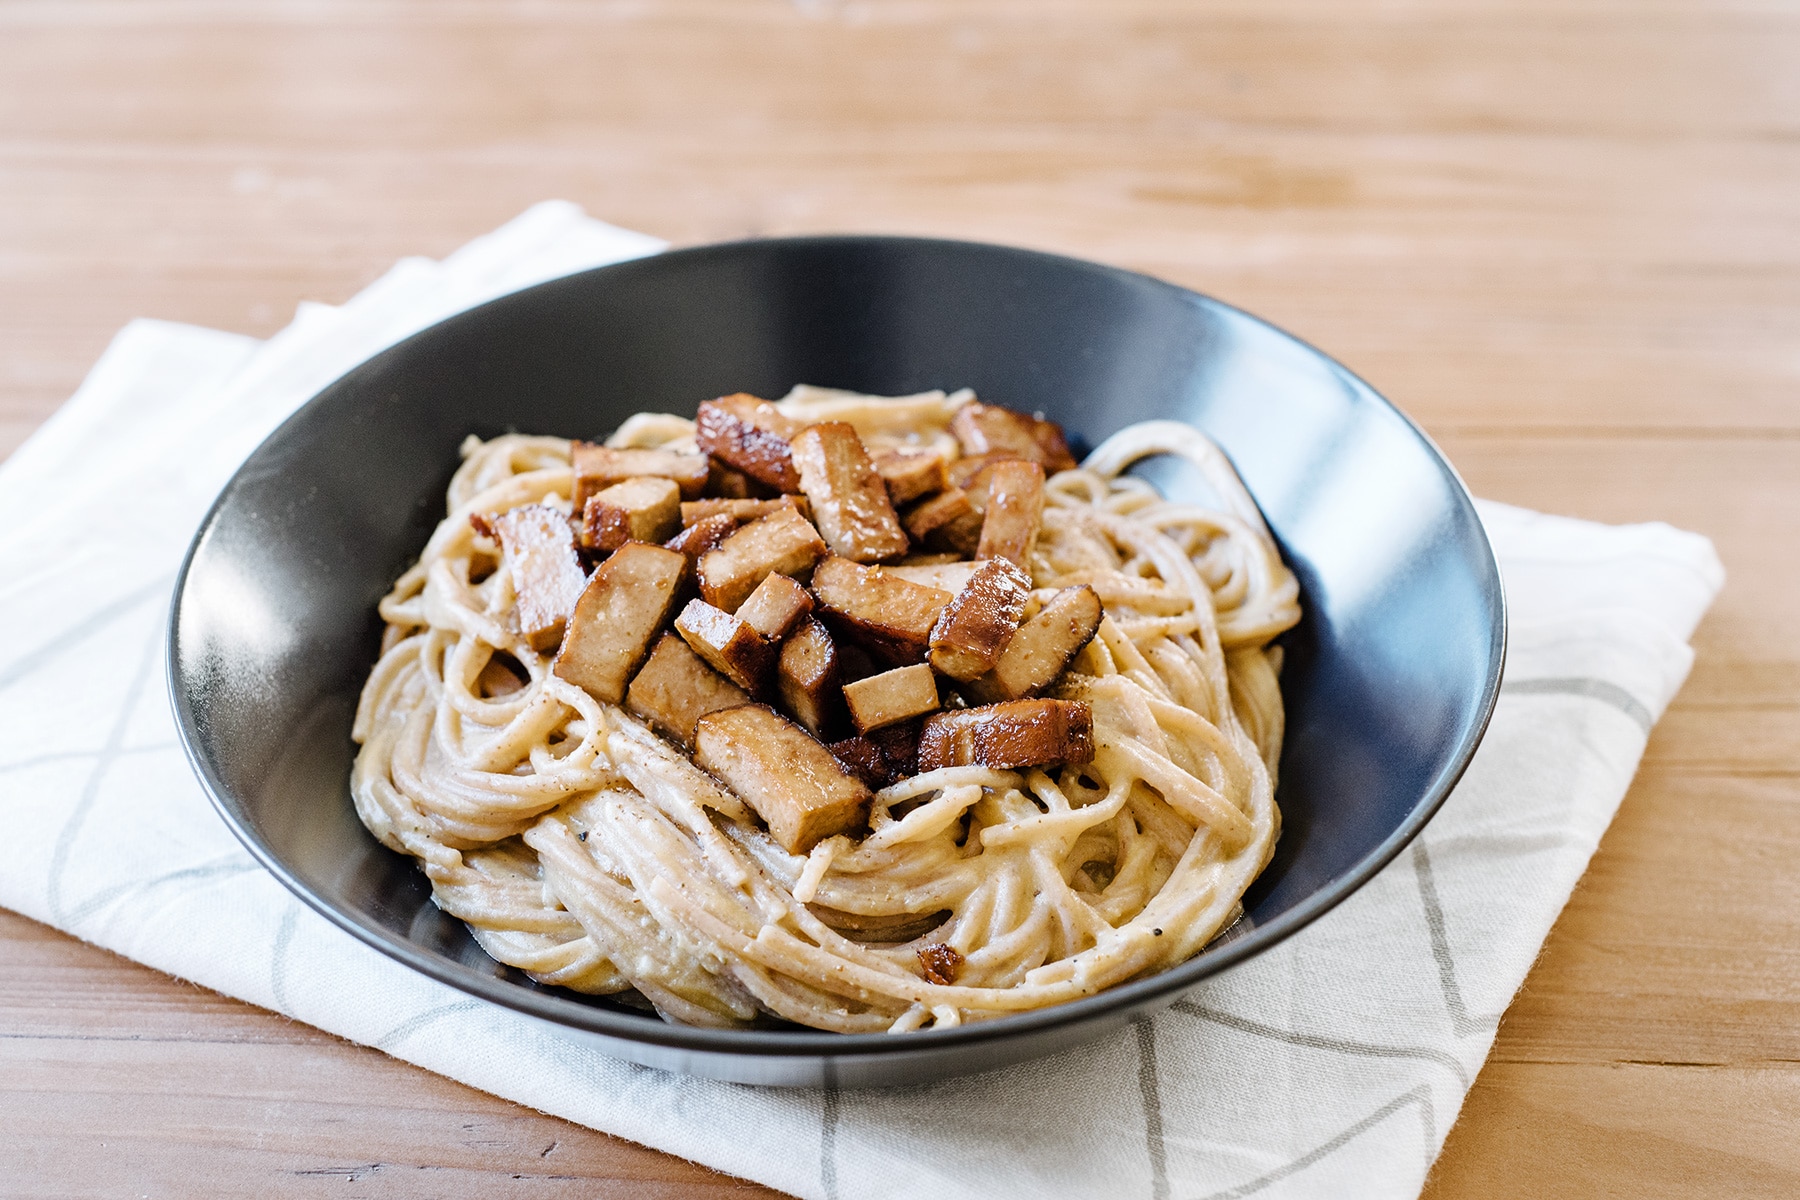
{"x":739,"y":510}
{"x":891,"y":697}
{"x":987,"y":428}
{"x":675,"y":689}
{"x":975,"y":628}
{"x":947,"y":521}
{"x":776,"y":606}
{"x":967,"y":473}
{"x":807,"y":677}
{"x":1041,"y":649}
{"x":849,"y":500}
{"x":864,"y":759}
{"x":782,"y":543}
{"x":731,"y":483}
{"x":910,"y":475}
{"x":1015,"y":508}
{"x":729,"y":646}
{"x":1020,"y":733}
{"x":619,"y":613}
{"x":646,"y":509}
{"x":599,"y":467}
{"x":901,"y":745}
{"x":751,"y":435}
{"x":950,"y":576}
{"x":891,"y":617}
{"x":784,"y":774}
{"x":702,"y":536}
{"x":538,"y":547}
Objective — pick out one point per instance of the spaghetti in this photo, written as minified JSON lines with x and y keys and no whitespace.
{"x":591,"y":853}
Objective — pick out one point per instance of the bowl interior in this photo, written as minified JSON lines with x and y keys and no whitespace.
{"x":1389,"y":680}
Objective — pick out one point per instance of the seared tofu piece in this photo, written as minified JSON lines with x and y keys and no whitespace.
{"x":776,"y":606}
{"x":703,"y":535}
{"x":975,"y":628}
{"x":986,"y":428}
{"x":807,"y":677}
{"x":909,"y":474}
{"x":623,"y":607}
{"x":729,"y":646}
{"x":947,"y":521}
{"x":731,"y":483}
{"x":966,"y":473}
{"x":782,"y":543}
{"x":901,"y":745}
{"x":1019,"y":733}
{"x":646,"y":509}
{"x":950,"y":576}
{"x":849,"y":500}
{"x":538,"y":547}
{"x":675,"y":689}
{"x":891,"y":697}
{"x":751,"y":435}
{"x":740,"y":510}
{"x":598,"y":467}
{"x":864,"y":759}
{"x":1015,"y":508}
{"x":1042,"y":648}
{"x":777,"y":768}
{"x":891,"y":617}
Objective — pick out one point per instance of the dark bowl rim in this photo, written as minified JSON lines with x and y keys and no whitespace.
{"x":778,"y":1043}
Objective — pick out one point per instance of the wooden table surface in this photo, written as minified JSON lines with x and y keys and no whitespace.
{"x":1563,"y":234}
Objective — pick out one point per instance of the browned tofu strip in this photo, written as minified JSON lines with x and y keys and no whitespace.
{"x":974,"y":629}
{"x":987,"y":428}
{"x":599,"y":467}
{"x":910,"y":475}
{"x":702,"y":536}
{"x":1015,"y":508}
{"x":807,"y":677}
{"x":966,"y":472}
{"x":849,"y":500}
{"x":864,"y":759}
{"x":1042,"y":647}
{"x":751,"y":435}
{"x":946,"y":521}
{"x":729,"y":646}
{"x":740,"y":510}
{"x":889,"y":616}
{"x":1020,"y":733}
{"x":783,"y":543}
{"x":675,"y":689}
{"x":776,"y":606}
{"x":731,"y":483}
{"x":777,"y":768}
{"x":619,"y":613}
{"x":901,"y":745}
{"x":538,"y":547}
{"x":646,"y":509}
{"x":891,"y":697}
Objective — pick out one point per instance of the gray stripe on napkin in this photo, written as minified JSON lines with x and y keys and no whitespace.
{"x":90,"y":791}
{"x":418,"y":1021}
{"x":54,"y":647}
{"x":1602,"y":690}
{"x":828,"y":1124}
{"x":1460,"y":1020}
{"x":1420,"y":1095}
{"x":1316,"y":1042}
{"x":1150,"y":1088}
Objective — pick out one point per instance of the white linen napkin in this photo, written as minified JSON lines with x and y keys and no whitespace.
{"x":1330,"y":1066}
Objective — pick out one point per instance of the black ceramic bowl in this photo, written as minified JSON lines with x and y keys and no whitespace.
{"x":1390,"y":677}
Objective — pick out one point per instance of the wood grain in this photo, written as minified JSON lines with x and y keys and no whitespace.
{"x":1561,"y":234}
